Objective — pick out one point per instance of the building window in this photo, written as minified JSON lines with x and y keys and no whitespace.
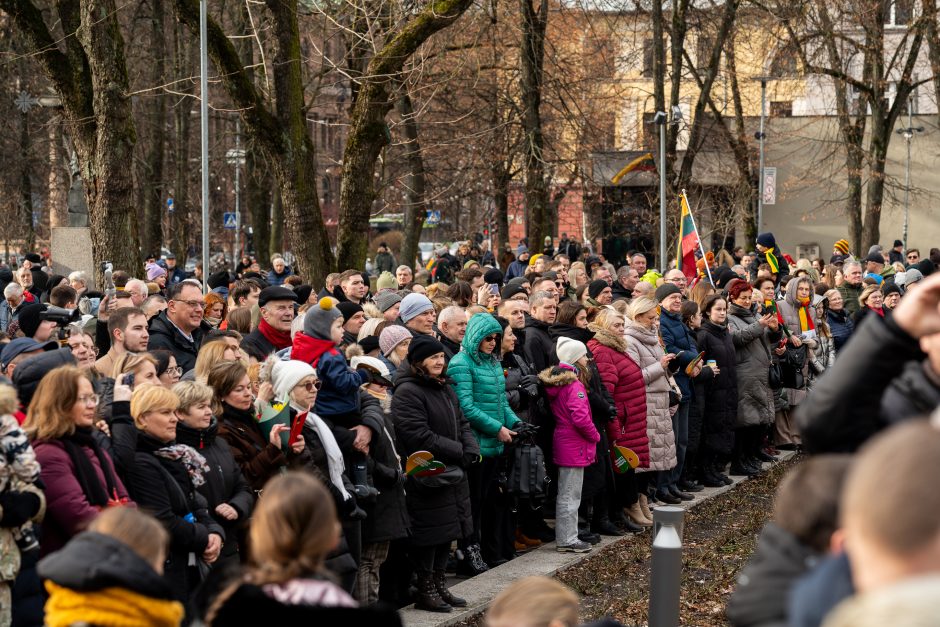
{"x":647,"y":58}
{"x":786,"y":62}
{"x":898,"y":12}
{"x":781,"y":109}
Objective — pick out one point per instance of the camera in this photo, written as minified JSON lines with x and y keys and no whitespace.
{"x":62,"y":317}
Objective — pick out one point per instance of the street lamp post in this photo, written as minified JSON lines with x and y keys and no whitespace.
{"x":204,"y":131}
{"x":908,"y":135}
{"x":761,"y":136}
{"x":660,"y":119}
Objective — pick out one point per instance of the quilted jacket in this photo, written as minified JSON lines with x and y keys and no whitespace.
{"x":645,"y":350}
{"x":481,"y":386}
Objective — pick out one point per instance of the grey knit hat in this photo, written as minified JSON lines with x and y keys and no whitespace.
{"x":414,"y":304}
{"x":386,"y":300}
{"x":319,"y":319}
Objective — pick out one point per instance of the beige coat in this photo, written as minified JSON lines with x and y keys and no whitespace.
{"x":644,"y":348}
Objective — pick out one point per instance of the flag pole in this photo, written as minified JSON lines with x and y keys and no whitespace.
{"x":698,"y":237}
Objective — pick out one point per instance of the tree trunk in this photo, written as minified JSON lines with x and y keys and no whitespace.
{"x":177,"y":221}
{"x":532,"y":56}
{"x":258,"y":199}
{"x":368,"y":132}
{"x":58,"y":181}
{"x":26,"y":188}
{"x":152,"y":184}
{"x":276,"y":243}
{"x":501,"y":178}
{"x":415,"y":183}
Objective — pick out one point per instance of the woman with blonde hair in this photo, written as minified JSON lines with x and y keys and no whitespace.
{"x":293,"y":530}
{"x":211,"y":354}
{"x":162,"y":476}
{"x":646,"y":350}
{"x":534,"y":602}
{"x":229,"y":497}
{"x":112,"y":575}
{"x":78,"y":473}
{"x":142,"y":365}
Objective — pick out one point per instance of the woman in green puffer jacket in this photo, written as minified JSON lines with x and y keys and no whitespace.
{"x":481,"y":389}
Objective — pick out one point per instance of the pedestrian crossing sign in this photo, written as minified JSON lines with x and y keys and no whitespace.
{"x":228,"y":220}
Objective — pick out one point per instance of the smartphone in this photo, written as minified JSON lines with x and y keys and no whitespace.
{"x":296,"y":428}
{"x":494,"y":289}
{"x":782,"y":343}
{"x":128,"y":379}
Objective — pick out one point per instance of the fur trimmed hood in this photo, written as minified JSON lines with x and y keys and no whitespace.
{"x":608,"y":339}
{"x":557,"y":376}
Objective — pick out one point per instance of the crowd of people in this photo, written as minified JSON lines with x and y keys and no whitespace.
{"x":259,"y":447}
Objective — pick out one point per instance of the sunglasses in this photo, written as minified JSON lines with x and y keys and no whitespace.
{"x":310,"y":386}
{"x":491,"y":338}
{"x":912,"y":256}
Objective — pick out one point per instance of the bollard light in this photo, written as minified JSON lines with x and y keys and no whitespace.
{"x":666,"y":570}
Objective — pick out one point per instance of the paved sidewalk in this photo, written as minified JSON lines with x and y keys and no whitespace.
{"x":480,"y":590}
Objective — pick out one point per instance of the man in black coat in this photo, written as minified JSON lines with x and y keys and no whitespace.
{"x":180,"y":328}
{"x":273,"y":332}
{"x":539,"y":346}
{"x":862,"y":394}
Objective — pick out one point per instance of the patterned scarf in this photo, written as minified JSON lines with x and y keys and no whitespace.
{"x":772,"y":260}
{"x":806,"y":320}
{"x":194,"y":463}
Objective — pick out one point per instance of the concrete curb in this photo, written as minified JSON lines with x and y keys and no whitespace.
{"x":481,"y":590}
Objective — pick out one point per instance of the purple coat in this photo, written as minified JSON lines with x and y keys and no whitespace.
{"x":574,"y":442}
{"x":68,"y":512}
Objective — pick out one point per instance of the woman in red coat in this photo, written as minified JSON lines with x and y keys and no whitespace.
{"x":624,"y":380}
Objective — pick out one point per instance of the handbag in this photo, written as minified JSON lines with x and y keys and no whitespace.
{"x":675,"y":394}
{"x":791,"y":367}
{"x":774,"y":376}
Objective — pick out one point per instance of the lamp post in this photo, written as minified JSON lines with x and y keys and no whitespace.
{"x":760,"y":136}
{"x":204,"y":131}
{"x":660,"y":119}
{"x":908,"y":135}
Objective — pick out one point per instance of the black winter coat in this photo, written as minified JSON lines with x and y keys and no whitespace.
{"x":388,"y":514}
{"x":163,"y":334}
{"x":224,"y":481}
{"x":258,"y":459}
{"x":845,"y":407}
{"x":721,"y":393}
{"x":427,"y":417}
{"x":914,"y":394}
{"x":841,"y":326}
{"x":760,"y":598}
{"x":256,"y":345}
{"x":539,"y":345}
{"x":163,"y":488}
{"x":515,"y":368}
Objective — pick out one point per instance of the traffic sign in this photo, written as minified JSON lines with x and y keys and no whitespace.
{"x":770,"y":186}
{"x":434,"y":217}
{"x":228,"y":220}
{"x":170,"y":205}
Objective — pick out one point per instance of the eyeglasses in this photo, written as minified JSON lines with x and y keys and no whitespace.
{"x":310,"y":386}
{"x":192,"y":304}
{"x":177,"y":370}
{"x":491,"y":338}
{"x":89,"y":401}
{"x":912,"y":256}
{"x":559,"y":283}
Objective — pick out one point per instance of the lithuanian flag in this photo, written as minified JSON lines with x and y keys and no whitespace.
{"x":688,"y":241}
{"x":643,"y":163}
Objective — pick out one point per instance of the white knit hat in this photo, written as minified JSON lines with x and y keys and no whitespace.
{"x":569,"y":351}
{"x":287,"y":374}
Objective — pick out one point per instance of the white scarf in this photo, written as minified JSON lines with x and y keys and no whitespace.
{"x":334,"y":457}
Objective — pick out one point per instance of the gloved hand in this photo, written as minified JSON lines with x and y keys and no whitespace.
{"x":470,"y":458}
{"x":18,"y":507}
{"x":530,"y":383}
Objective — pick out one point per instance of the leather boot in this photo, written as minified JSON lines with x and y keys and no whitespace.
{"x":645,"y":508}
{"x":428,"y":598}
{"x":440,"y":584}
{"x":635,"y":514}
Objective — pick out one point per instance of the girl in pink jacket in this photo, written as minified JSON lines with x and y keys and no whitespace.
{"x":574,"y":440}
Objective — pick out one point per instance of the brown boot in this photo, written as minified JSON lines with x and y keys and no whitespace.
{"x":645,"y":508}
{"x":635,"y":513}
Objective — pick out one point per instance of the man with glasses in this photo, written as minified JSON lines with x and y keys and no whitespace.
{"x":127,"y":328}
{"x":677,"y":278}
{"x":273,"y":332}
{"x":913,"y":257}
{"x":180,"y":328}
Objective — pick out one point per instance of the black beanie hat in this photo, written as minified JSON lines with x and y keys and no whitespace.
{"x":422,"y":347}
{"x":665,"y":290}
{"x":218,"y":279}
{"x":926,"y":267}
{"x":28,"y":318}
{"x":348,"y":309}
{"x":493,"y":277}
{"x":511,"y":290}
{"x":596,"y":287}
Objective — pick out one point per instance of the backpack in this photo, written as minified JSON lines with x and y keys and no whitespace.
{"x":526,"y":477}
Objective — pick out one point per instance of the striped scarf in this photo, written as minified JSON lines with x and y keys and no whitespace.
{"x":806,"y":320}
{"x":772,"y":260}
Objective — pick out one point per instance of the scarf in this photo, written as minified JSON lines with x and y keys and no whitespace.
{"x":194,"y":463}
{"x":109,"y":606}
{"x":214,"y":322}
{"x":806,"y":320}
{"x":772,"y":260}
{"x":279,"y":339}
{"x":334,"y":457}
{"x":310,"y":349}
{"x":880,"y":311}
{"x":100,"y":496}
